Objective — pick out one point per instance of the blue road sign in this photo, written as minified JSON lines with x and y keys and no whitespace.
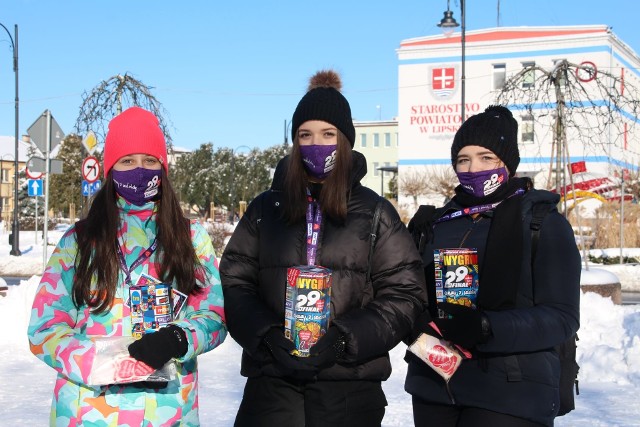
{"x":89,"y":188}
{"x":34,"y":187}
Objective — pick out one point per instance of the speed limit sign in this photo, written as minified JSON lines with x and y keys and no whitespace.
{"x":90,"y":169}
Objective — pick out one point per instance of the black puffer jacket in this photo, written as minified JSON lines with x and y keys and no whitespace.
{"x":373,"y":318}
{"x":517,"y":371}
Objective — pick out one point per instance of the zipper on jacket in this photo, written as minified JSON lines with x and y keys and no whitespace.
{"x":464,"y":238}
{"x":473,"y":225}
{"x":453,"y":400}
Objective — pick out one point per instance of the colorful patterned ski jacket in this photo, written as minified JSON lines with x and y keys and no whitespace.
{"x":60,"y":333}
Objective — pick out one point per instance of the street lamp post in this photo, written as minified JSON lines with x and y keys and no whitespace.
{"x":15,"y":232}
{"x":448,"y":23}
{"x":382,"y":170}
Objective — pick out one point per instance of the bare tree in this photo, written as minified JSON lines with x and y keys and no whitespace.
{"x":442,"y":181}
{"x":110,"y":98}
{"x":574,"y":98}
{"x":632,"y":182}
{"x":414,"y":184}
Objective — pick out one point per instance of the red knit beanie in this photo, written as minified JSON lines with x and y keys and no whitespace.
{"x":134,"y":131}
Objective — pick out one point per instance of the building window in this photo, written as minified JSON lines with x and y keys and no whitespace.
{"x":499,"y":76}
{"x":363,"y":140}
{"x":4,"y":177}
{"x":527,"y":128}
{"x":387,"y":139}
{"x":376,"y":140}
{"x":376,"y":172}
{"x":397,"y":139}
{"x":529,"y":77}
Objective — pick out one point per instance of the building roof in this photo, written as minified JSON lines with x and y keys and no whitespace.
{"x":488,"y":38}
{"x":504,"y":34}
{"x":7,"y":149}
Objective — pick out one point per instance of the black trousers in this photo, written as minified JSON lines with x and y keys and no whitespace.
{"x":432,"y":415}
{"x":269,"y":402}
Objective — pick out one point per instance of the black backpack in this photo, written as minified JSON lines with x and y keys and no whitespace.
{"x":421,"y":229}
{"x":567,"y":350}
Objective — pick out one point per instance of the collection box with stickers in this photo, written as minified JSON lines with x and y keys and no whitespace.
{"x":307,"y":306}
{"x":456,"y":276}
{"x":150,"y":307}
{"x":153,"y":305}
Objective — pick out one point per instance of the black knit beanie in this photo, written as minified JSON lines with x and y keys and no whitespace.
{"x":324,"y":101}
{"x":494,"y":129}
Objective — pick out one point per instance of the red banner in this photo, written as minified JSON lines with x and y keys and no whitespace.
{"x":578,"y":167}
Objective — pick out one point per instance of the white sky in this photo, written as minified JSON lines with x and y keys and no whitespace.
{"x":608,"y":354}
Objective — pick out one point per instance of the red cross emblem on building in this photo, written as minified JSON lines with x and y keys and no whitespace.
{"x":443,"y":78}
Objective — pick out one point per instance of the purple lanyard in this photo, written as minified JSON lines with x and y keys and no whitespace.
{"x":141,"y":258}
{"x":475,"y":209}
{"x":314,"y":221}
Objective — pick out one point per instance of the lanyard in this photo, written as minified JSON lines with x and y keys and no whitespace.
{"x":141,"y":258}
{"x":314,"y":221}
{"x":475,"y":209}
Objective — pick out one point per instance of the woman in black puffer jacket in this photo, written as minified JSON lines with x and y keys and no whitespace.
{"x":527,"y":303}
{"x":340,"y":383}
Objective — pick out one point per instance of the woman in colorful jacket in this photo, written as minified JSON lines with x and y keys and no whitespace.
{"x":318,"y":213}
{"x":134,"y":227}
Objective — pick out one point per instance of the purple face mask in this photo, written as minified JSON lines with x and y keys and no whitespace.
{"x":318,"y":160}
{"x":137,"y":185}
{"x":483,"y":183}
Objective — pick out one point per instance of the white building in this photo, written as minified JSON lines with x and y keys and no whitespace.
{"x":429,"y":95}
{"x":378,"y":141}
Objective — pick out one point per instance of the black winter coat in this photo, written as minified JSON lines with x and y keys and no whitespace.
{"x":374,"y":317}
{"x":517,"y":371}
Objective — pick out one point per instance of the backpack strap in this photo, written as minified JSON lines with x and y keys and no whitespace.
{"x":375,"y":225}
{"x":538,"y":213}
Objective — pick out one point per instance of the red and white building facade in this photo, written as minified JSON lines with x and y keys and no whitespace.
{"x":429,"y":96}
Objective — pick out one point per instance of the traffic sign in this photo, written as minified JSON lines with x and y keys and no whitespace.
{"x":89,"y":188}
{"x":90,"y":169}
{"x":90,"y":142}
{"x":37,"y":164}
{"x":34,"y":187}
{"x":38,"y":132}
{"x":32,"y":174}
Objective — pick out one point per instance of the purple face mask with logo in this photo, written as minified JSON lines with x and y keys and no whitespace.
{"x":137,"y":185}
{"x":483,"y":183}
{"x":318,"y":160}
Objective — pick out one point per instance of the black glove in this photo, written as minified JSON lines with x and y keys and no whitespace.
{"x":281,"y":348}
{"x":150,"y":384}
{"x":422,"y":325}
{"x":157,"y":348}
{"x":467,"y":327}
{"x":329,"y":348}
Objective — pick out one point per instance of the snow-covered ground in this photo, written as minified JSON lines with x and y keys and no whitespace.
{"x":608,"y":354}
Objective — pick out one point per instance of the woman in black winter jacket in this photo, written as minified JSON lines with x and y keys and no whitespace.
{"x":317,"y":213}
{"x":524,"y":306}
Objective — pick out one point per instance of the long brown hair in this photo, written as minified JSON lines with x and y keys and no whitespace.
{"x":336,"y":188}
{"x":97,"y":259}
